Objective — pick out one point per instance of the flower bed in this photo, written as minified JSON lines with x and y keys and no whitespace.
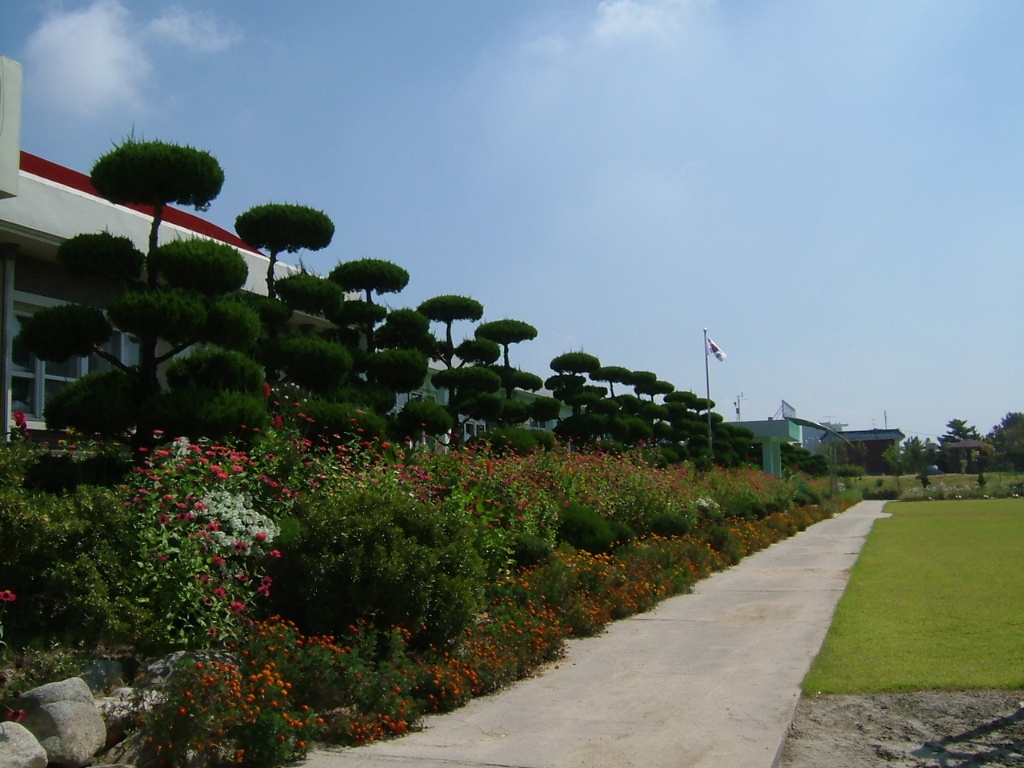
{"x":399,"y":582}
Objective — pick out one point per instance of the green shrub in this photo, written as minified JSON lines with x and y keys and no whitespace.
{"x":584,"y":529}
{"x":71,"y":560}
{"x":721,"y":540}
{"x":671,"y":525}
{"x":528,"y":549}
{"x":373,"y":553}
{"x":849,"y":470}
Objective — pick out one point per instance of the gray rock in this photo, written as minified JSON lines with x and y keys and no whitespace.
{"x":130,"y":751}
{"x":71,"y":732}
{"x":72,"y":689}
{"x":19,"y":748}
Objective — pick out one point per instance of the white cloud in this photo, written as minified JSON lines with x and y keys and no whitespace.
{"x":194,"y":31}
{"x":631,"y":19}
{"x":86,"y":62}
{"x":92,"y":61}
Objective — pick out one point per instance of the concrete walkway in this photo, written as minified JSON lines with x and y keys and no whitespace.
{"x":709,"y":679}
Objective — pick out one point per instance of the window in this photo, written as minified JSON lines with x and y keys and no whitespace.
{"x":34,"y":382}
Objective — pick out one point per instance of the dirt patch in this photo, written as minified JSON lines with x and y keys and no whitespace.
{"x":940,"y":729}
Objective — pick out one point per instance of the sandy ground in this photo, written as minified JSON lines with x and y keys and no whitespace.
{"x":908,"y":730}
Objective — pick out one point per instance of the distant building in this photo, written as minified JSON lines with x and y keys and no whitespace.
{"x":865,"y":447}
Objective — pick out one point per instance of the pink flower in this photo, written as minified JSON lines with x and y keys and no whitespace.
{"x":241,"y":546}
{"x":6,"y":596}
{"x":275,"y":553}
{"x":220,"y":592}
{"x":236,"y":607}
{"x":260,"y":536}
{"x":264,"y":587}
{"x":217,"y":560}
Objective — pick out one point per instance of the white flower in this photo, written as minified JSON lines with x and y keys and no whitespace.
{"x":239,"y":522}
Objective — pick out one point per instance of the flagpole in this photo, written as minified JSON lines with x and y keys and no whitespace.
{"x":707,"y":383}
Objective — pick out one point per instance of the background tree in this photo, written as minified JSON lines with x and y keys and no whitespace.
{"x":1007,"y":438}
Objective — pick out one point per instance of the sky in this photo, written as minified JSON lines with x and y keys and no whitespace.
{"x":834,"y":190}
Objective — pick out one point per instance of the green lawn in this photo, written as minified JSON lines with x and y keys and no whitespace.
{"x":935,"y":601}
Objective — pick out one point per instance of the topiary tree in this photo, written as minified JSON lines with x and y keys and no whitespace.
{"x":368,"y":277}
{"x":447,"y":310}
{"x":506,"y":333}
{"x":278,"y":227}
{"x":178,"y":295}
{"x":156,"y":173}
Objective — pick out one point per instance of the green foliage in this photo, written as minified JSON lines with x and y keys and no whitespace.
{"x":199,"y":413}
{"x":517,"y":440}
{"x":397,"y":370}
{"x":273,"y":313}
{"x":340,"y":422}
{"x":514,"y":378}
{"x":67,"y":330}
{"x":671,"y":525}
{"x":70,"y":558}
{"x":279,"y":227}
{"x":575,"y":362}
{"x":584,"y":529}
{"x":369,"y":276}
{"x":311,"y":294}
{"x":374,"y":553}
{"x":423,"y":417}
{"x":468,"y":380}
{"x":98,"y":403}
{"x":63,"y":472}
{"x":156,"y":173}
{"x":169,"y":314}
{"x":529,"y":549}
{"x":101,"y":255}
{"x":505,"y":332}
{"x":545,"y":408}
{"x":204,"y":266}
{"x":216,"y":369}
{"x":231,"y":323}
{"x":406,"y":328}
{"x":311,"y":362}
{"x":849,"y":470}
{"x":479,"y":351}
{"x":447,"y":309}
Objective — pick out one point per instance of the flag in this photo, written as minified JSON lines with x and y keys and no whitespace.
{"x":714,"y":349}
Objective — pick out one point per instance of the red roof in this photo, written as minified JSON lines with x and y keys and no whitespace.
{"x":69,"y":178}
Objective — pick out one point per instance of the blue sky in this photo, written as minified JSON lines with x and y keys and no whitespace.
{"x":835,"y":190}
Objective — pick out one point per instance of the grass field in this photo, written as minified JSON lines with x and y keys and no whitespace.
{"x":935,"y":601}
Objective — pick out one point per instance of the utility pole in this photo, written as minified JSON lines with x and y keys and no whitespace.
{"x":739,"y":399}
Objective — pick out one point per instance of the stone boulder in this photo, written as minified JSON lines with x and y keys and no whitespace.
{"x":19,"y":748}
{"x":64,"y":718}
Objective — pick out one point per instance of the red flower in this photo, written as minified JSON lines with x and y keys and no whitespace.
{"x":236,"y":607}
{"x":6,"y":596}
